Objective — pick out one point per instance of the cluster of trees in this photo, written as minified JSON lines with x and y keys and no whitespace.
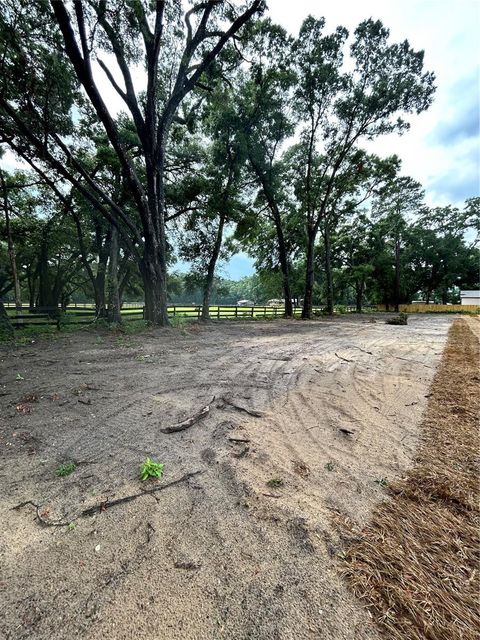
{"x":231,"y":134}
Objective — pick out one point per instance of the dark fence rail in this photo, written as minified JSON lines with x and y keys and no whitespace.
{"x":84,"y":315}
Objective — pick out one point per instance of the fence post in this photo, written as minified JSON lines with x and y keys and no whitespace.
{"x":236,"y":311}
{"x":218,"y":312}
{"x":252,"y":311}
{"x":198,"y":312}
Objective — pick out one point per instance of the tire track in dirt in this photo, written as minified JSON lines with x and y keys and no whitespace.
{"x":205,"y":558}
{"x":379,"y":396}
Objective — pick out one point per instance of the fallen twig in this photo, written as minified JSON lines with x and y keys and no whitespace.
{"x":185,"y":424}
{"x":235,"y":439}
{"x":42,"y":520}
{"x":251,"y":412}
{"x":346,"y":432}
{"x":345,"y":359}
{"x":107,"y":505}
{"x":353,"y":346}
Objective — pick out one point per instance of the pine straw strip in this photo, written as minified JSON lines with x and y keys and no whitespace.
{"x":416,"y":565}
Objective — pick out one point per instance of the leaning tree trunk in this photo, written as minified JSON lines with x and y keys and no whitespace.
{"x":113,"y":289}
{"x":211,"y":269}
{"x":328,"y":268}
{"x":309,"y":276}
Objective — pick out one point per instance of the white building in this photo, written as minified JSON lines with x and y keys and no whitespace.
{"x":470,"y":297}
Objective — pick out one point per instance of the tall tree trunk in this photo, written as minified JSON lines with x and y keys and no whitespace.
{"x":101,"y":275}
{"x":207,"y":291}
{"x":328,"y":267}
{"x":99,"y":297}
{"x":113,"y":289}
{"x":153,"y":265}
{"x":358,"y":295}
{"x":153,"y":270}
{"x":396,"y":291}
{"x":11,"y":246}
{"x":309,"y":275}
{"x":283,"y":256}
{"x":277,"y":219}
{"x":5,"y":325}
{"x":31,"y":280}
{"x":44,"y":283}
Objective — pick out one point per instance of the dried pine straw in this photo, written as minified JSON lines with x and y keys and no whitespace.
{"x":416,"y":565}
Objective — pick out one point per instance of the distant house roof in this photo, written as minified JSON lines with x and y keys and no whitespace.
{"x":470,"y":294}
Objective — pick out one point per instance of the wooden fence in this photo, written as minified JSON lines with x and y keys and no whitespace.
{"x":83,"y":314}
{"x":434,"y":308}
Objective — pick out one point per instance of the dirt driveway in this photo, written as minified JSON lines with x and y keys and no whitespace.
{"x":308,"y":421}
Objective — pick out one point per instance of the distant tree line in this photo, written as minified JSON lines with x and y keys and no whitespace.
{"x":240,"y":137}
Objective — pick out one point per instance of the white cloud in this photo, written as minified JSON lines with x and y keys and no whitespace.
{"x":448,"y":32}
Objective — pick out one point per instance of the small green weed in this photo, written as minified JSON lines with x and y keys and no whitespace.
{"x":151,"y":469}
{"x":147,"y":358}
{"x":72,"y":526}
{"x":123,"y":342}
{"x":178,"y":321}
{"x":65,"y":469}
{"x":330,"y":466}
{"x":383,"y":482}
{"x":275,"y":482}
{"x":19,"y":377}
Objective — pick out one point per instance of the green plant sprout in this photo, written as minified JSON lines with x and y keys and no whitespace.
{"x":151,"y":469}
{"x":65,"y":469}
{"x":275,"y":482}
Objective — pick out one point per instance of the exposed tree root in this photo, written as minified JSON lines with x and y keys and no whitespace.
{"x":251,"y":412}
{"x":185,"y":424}
{"x":107,"y":505}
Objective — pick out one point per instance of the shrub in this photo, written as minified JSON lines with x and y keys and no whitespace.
{"x":401,"y":319}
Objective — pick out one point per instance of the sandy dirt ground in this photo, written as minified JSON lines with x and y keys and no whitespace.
{"x":328,"y":409}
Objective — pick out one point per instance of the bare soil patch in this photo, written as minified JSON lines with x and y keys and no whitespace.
{"x":417,"y":563}
{"x":329,"y":409}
